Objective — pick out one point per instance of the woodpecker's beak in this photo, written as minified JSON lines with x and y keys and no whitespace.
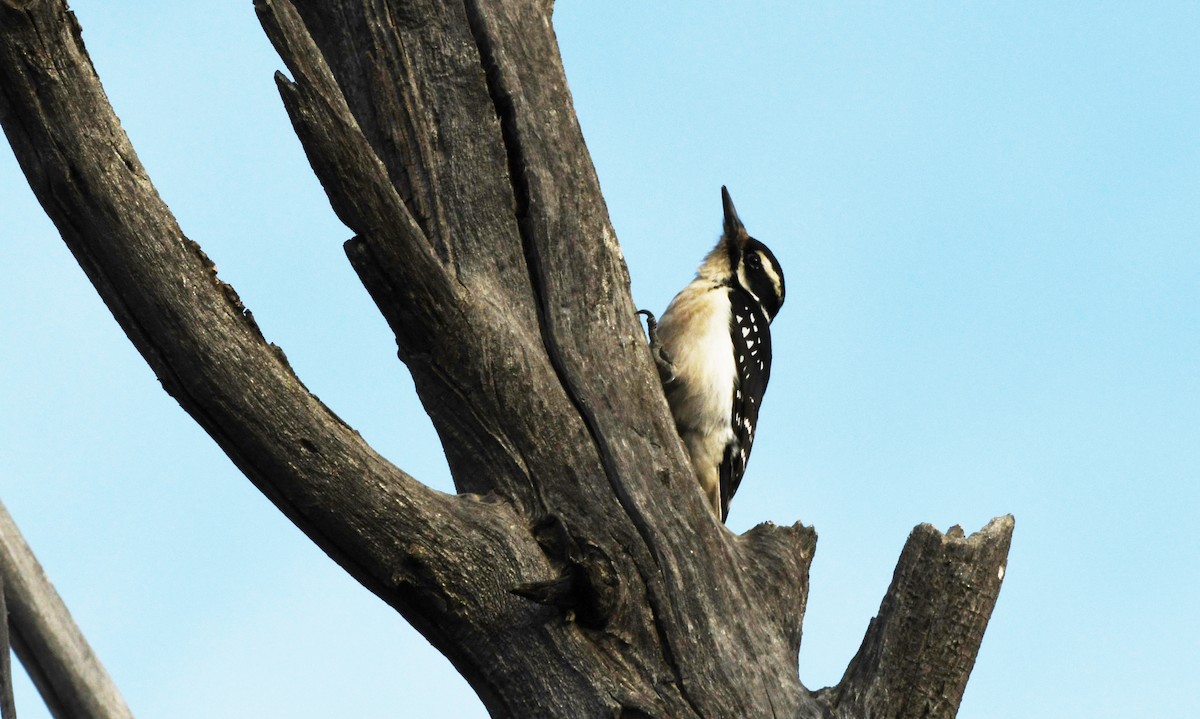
{"x":734,"y":229}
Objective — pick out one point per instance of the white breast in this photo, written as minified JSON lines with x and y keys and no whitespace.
{"x":695,"y":333}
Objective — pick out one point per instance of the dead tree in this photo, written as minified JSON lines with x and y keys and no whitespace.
{"x":577,"y":572}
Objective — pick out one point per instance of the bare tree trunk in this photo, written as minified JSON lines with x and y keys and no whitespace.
{"x":445,"y":137}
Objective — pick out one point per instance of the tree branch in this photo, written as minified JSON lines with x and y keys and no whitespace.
{"x":8,"y":709}
{"x":919,"y":650}
{"x":377,"y":522}
{"x":461,"y":324}
{"x":53,"y":651}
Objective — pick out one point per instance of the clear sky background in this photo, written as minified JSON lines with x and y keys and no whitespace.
{"x":989,"y":217}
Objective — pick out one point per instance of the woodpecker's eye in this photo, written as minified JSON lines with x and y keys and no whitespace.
{"x":754,"y":261}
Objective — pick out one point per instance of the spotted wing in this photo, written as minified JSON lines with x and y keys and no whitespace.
{"x":751,"y":333}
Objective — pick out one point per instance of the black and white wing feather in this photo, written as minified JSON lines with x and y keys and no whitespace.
{"x":751,"y":333}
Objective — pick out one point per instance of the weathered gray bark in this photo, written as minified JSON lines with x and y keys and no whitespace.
{"x":53,"y":651}
{"x":920,"y":648}
{"x":445,"y":138}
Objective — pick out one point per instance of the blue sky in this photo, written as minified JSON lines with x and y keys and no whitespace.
{"x":988,"y":217}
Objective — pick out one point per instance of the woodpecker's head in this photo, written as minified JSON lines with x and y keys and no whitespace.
{"x":741,"y":260}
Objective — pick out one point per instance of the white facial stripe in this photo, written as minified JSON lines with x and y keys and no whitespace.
{"x":772,"y":273}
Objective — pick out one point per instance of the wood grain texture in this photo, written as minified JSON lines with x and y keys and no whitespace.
{"x":579,"y":572}
{"x":49,"y":644}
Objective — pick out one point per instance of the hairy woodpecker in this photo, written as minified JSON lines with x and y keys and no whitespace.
{"x":713,"y":349}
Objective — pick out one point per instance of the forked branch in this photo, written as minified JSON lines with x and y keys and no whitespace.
{"x":204,"y":344}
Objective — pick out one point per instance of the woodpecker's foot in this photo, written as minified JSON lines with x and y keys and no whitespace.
{"x":666,"y":368}
{"x":651,"y":327}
